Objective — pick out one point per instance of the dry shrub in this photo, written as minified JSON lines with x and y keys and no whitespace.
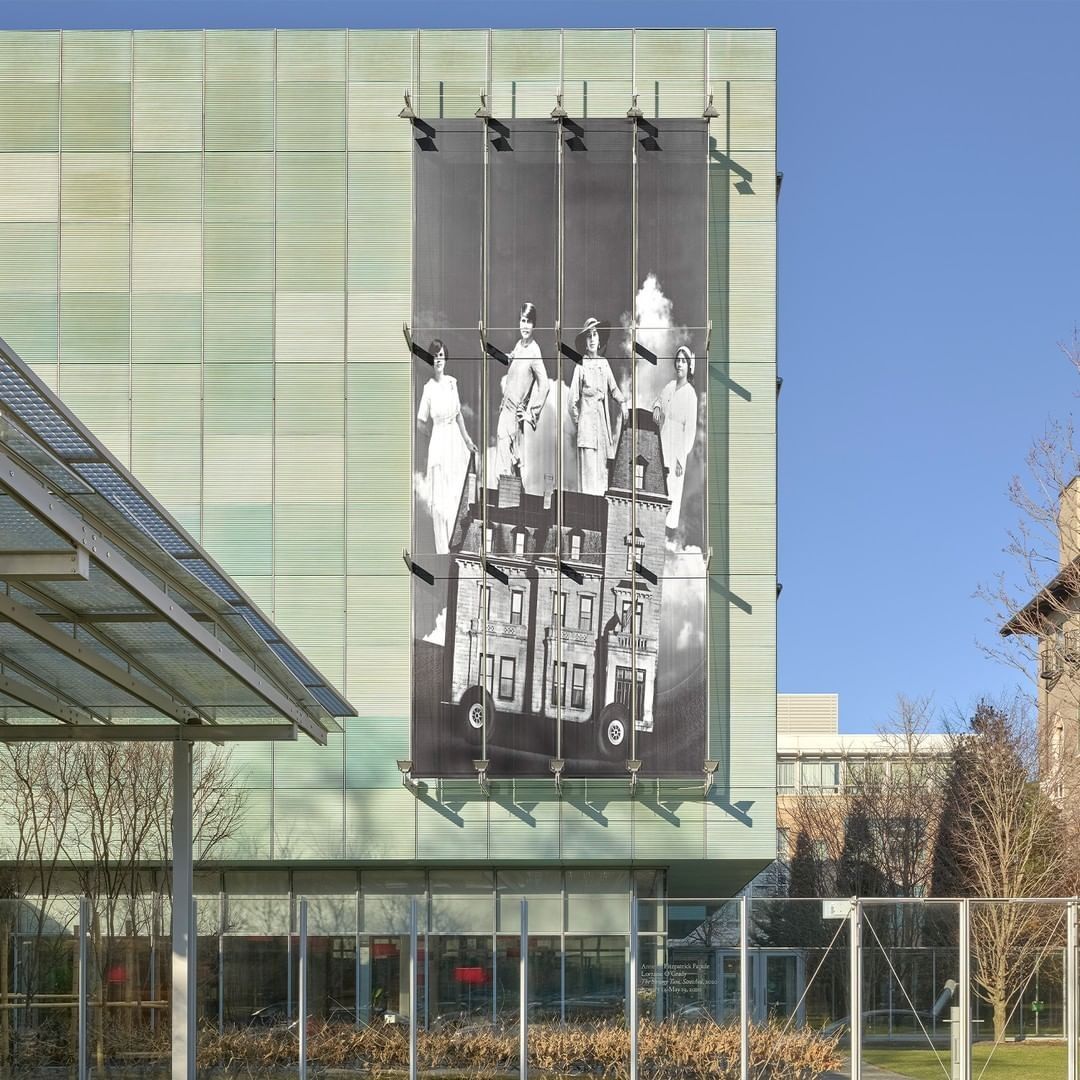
{"x":702,"y":1051}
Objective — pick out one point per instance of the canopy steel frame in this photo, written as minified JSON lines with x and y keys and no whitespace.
{"x":215,"y":733}
{"x":45,"y":702}
{"x":28,"y":491}
{"x":49,"y":634}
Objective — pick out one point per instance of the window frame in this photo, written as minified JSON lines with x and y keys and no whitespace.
{"x":503,"y":661}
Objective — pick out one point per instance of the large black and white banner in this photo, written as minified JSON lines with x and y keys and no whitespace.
{"x":559,"y":466}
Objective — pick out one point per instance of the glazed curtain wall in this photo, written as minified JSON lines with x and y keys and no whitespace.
{"x":206,"y":246}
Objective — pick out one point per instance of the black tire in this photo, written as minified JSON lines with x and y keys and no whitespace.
{"x":477,"y":715}
{"x":613,"y":732}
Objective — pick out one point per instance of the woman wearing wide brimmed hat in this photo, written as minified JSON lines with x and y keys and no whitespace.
{"x":589,"y":391}
{"x":675,"y":412}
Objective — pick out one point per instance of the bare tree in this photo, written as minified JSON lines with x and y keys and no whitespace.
{"x":37,"y":781}
{"x":874,"y":836}
{"x":1001,"y":837}
{"x":1034,"y":603}
{"x":123,"y":807}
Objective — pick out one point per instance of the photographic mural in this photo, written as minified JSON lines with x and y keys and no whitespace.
{"x":559,"y":465}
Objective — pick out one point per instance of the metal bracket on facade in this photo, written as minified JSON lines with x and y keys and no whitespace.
{"x":633,"y":767}
{"x":481,"y":767}
{"x":484,"y":112}
{"x":405,"y":768}
{"x":708,"y":340}
{"x":494,"y":571}
{"x":559,"y":114}
{"x":407,"y":113}
{"x":414,"y":568}
{"x":634,"y":112}
{"x":711,"y":112}
{"x":711,"y":766}
{"x":557,"y":765}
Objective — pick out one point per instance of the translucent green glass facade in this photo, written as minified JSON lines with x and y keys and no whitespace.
{"x":206,"y":248}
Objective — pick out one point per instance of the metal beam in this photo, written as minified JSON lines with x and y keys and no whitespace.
{"x":93,"y":661}
{"x":110,"y":558}
{"x":43,"y":702}
{"x":62,"y":613}
{"x":219,"y":733}
{"x":71,"y":565}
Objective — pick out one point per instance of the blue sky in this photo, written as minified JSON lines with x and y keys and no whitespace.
{"x":928,"y":270}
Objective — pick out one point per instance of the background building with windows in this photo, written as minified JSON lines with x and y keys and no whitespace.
{"x":815,"y":762}
{"x":207,"y":250}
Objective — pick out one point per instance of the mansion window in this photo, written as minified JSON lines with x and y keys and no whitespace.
{"x":507,"y":673}
{"x":519,"y":541}
{"x":558,"y":683}
{"x":558,"y":605}
{"x":585,"y":608}
{"x":575,"y":546}
{"x":623,"y":692}
{"x":487,"y":672}
{"x":632,"y":627}
{"x":517,"y":603}
{"x":483,"y":607}
{"x":577,"y":687}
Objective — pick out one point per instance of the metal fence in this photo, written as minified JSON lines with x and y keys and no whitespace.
{"x":968,"y":989}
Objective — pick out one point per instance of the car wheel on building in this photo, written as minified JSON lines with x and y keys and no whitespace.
{"x":477,"y":711}
{"x":613,"y":731}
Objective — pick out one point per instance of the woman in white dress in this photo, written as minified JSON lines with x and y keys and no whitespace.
{"x":675,"y":413}
{"x":448,"y":449}
{"x":589,"y":389}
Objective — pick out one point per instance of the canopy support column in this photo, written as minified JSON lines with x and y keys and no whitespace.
{"x":183,"y":928}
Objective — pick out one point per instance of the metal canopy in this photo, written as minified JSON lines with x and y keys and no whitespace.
{"x":114,"y":622}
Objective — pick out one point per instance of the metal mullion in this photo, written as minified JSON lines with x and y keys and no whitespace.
{"x":633,"y":411}
{"x":483,"y":492}
{"x":706,"y":546}
{"x":202,"y":303}
{"x":131,"y":244}
{"x":273,"y":361}
{"x":560,"y":479}
{"x":59,"y":202}
{"x":345,"y":390}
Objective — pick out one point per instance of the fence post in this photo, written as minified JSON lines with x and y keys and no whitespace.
{"x":84,"y":981}
{"x":413,"y":981}
{"x":964,"y":1000}
{"x":855,"y":990}
{"x":523,"y":994}
{"x":303,"y":978}
{"x":744,"y":987}
{"x":1072,"y":991}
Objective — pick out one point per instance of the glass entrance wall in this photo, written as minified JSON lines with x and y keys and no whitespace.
{"x":685,"y":963}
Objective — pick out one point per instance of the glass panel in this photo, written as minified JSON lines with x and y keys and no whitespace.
{"x":799,"y":971}
{"x":255,"y":956}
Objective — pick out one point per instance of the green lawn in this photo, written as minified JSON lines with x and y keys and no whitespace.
{"x":1010,"y":1061}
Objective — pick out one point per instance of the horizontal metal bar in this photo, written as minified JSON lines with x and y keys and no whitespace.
{"x":92,"y":660}
{"x":222,"y":733}
{"x":47,"y":565}
{"x":53,"y":509}
{"x":43,"y":702}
